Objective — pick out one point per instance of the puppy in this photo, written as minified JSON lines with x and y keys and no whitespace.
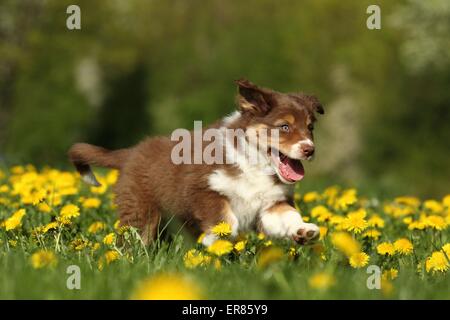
{"x":246,"y":194}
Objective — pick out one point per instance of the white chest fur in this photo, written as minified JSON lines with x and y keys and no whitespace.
{"x":249,"y":193}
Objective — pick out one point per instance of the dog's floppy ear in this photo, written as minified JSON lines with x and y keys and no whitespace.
{"x":315,"y":104}
{"x":253,"y":99}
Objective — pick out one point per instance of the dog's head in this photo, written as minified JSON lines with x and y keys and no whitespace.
{"x":292,"y":115}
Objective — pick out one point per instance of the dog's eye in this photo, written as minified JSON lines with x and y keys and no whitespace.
{"x":310,"y":127}
{"x":285,"y":127}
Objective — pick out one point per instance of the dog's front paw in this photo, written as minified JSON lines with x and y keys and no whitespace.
{"x":307,"y":233}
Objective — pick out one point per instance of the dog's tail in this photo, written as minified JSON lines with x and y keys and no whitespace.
{"x":82,"y":155}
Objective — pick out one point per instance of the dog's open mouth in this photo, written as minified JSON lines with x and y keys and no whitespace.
{"x":290,"y":170}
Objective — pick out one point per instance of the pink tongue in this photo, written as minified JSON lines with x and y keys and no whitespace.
{"x":292,"y":169}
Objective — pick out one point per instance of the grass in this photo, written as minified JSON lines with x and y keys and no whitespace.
{"x":264,"y":269}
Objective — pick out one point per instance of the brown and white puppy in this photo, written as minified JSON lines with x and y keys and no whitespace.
{"x":243,"y":193}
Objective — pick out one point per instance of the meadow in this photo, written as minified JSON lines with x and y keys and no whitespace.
{"x":50,"y":220}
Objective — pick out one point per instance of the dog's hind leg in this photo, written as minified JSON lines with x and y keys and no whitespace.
{"x":149,"y":231}
{"x":137,"y":211}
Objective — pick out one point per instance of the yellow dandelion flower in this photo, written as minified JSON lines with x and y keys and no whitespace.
{"x":194,"y":258}
{"x":435,"y":222}
{"x":375,"y":222}
{"x":322,"y":281}
{"x":323,"y":232}
{"x":68,"y":191}
{"x":79,"y":244}
{"x":407,"y":220}
{"x":446,"y":248}
{"x":321,"y":213}
{"x":95,"y":246}
{"x":91,"y":203}
{"x":388,"y":209}
{"x":111,"y":255}
{"x":96,"y":227}
{"x":63,"y":221}
{"x":167,"y":287}
{"x":240,"y":245}
{"x":292,"y":252}
{"x":345,"y":243}
{"x":55,"y":200}
{"x":44,"y":207}
{"x":38,"y":196}
{"x":359,"y":260}
{"x":4,"y":188}
{"x":121,"y":229}
{"x":318,"y":210}
{"x":386,"y":248}
{"x":337,"y":222}
{"x":100,"y":189}
{"x":111,"y":177}
{"x":220,"y":247}
{"x":331,"y":194}
{"x":15,"y":220}
{"x":446,"y":201}
{"x":433,"y":206}
{"x":408,"y":201}
{"x":416,"y":225}
{"x":269,"y":256}
{"x":69,"y":211}
{"x":403,"y":246}
{"x":109,"y":239}
{"x":43,"y":258}
{"x":222,"y":229}
{"x":50,"y":226}
{"x":347,"y":199}
{"x":217,"y":264}
{"x":390,"y":274}
{"x":201,"y":237}
{"x":437,"y":262}
{"x":355,"y":221}
{"x":398,"y":211}
{"x":261,"y":236}
{"x":311,"y":197}
{"x":373,"y":234}
{"x":268,"y":243}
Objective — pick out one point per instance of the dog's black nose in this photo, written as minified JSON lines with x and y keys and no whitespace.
{"x":307,"y":150}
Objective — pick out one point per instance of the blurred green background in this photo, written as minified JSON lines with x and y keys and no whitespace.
{"x":141,"y":68}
